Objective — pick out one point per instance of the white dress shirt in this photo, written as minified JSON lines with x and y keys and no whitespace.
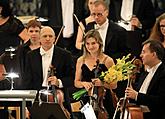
{"x":67,"y":16}
{"x":103,"y":31}
{"x":46,"y":62}
{"x":127,"y":9}
{"x":126,"y":14}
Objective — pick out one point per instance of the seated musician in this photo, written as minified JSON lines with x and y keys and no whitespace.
{"x":150,"y":91}
{"x":39,"y":60}
{"x":85,"y":68}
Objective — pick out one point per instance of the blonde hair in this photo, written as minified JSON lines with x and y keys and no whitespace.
{"x":94,"y":34}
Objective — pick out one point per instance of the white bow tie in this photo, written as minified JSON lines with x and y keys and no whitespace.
{"x":44,"y":53}
{"x":102,"y":27}
{"x":99,"y":27}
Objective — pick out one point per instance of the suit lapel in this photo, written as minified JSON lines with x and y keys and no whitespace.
{"x":136,"y":6}
{"x":39,"y":65}
{"x":108,"y":36}
{"x":154,"y":79}
{"x":54,"y":58}
{"x":142,"y":78}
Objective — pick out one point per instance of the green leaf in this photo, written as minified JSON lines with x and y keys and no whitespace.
{"x":77,"y":95}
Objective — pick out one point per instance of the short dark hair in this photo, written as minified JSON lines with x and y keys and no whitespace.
{"x":100,"y":2}
{"x":155,"y":46}
{"x":6,"y":9}
{"x":33,"y":23}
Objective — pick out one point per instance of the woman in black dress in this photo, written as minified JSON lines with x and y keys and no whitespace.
{"x":11,"y":29}
{"x":85,"y":68}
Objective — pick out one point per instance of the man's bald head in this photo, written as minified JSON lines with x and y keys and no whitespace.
{"x":47,"y":29}
{"x":47,"y":37}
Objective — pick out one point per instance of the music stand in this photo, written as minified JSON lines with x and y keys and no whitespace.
{"x":47,"y":111}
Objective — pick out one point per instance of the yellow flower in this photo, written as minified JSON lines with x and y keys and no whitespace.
{"x":118,"y":72}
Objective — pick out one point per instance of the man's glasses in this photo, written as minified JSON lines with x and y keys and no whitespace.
{"x":97,"y":14}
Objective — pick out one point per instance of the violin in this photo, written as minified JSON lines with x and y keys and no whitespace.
{"x":54,"y":95}
{"x":97,"y":96}
{"x":134,"y":110}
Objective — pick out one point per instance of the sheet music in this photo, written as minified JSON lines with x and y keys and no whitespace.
{"x":88,"y":111}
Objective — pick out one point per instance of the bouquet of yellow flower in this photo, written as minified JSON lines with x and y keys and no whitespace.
{"x":118,"y":72}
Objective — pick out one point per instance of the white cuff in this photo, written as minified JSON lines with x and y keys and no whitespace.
{"x":60,"y":83}
{"x":136,"y":97}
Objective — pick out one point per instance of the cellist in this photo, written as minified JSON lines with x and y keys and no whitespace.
{"x":85,"y":67}
{"x":150,"y":91}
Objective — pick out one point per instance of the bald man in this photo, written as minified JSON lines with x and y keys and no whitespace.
{"x":40,"y":60}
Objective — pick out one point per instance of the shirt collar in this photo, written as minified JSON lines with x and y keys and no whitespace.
{"x":49,"y":52}
{"x":103,"y":25}
{"x":154,"y":68}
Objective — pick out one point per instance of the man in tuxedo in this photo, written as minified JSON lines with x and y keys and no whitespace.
{"x":60,"y":13}
{"x":140,"y":13}
{"x":113,"y":36}
{"x":150,"y":91}
{"x":137,"y":17}
{"x":39,"y":61}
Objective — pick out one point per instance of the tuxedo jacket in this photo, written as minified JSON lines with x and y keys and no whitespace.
{"x":115,"y":42}
{"x":143,"y":9}
{"x":61,"y":60}
{"x":155,"y":96}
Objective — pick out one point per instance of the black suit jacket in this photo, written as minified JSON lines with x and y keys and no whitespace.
{"x":143,"y":9}
{"x":155,"y":96}
{"x":115,"y":42}
{"x":52,"y":10}
{"x":61,"y":60}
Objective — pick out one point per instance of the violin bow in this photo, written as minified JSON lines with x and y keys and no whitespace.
{"x":62,"y":28}
{"x":79,"y":24}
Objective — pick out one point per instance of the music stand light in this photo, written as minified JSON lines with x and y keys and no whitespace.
{"x":11,"y":75}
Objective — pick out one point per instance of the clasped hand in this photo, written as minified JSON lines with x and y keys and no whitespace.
{"x":53,"y":80}
{"x":135,"y":21}
{"x":131,"y":93}
{"x":89,"y":85}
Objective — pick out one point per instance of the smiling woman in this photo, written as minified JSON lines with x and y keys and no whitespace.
{"x":86,"y":67}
